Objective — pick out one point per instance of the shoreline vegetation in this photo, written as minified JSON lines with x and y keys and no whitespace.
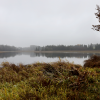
{"x":51,"y":81}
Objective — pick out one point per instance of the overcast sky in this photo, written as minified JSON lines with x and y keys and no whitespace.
{"x":48,"y":22}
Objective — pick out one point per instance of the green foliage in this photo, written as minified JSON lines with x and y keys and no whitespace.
{"x":43,"y":81}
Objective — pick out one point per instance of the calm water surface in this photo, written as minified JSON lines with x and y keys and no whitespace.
{"x":31,"y":57}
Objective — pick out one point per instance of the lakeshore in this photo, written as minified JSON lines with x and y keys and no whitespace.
{"x":50,"y":81}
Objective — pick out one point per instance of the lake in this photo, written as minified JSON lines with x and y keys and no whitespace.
{"x":32,"y":57}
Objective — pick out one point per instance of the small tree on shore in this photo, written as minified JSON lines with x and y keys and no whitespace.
{"x":97,"y":27}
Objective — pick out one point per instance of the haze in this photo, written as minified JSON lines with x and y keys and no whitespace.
{"x":48,"y":22}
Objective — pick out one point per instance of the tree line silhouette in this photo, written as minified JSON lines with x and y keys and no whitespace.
{"x":8,"y":48}
{"x":79,"y":47}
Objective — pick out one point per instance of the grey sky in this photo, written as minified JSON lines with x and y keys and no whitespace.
{"x":48,"y":22}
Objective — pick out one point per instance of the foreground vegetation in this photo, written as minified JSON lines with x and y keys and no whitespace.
{"x":55,"y":81}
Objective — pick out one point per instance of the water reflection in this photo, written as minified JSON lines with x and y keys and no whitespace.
{"x":8,"y":54}
{"x":32,"y":57}
{"x":63,"y":55}
{"x":48,"y":55}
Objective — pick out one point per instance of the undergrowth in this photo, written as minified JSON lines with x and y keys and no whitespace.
{"x":49,"y":81}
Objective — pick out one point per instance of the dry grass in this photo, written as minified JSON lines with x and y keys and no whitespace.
{"x":44,"y":81}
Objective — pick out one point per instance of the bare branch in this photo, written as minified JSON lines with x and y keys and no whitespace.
{"x":97,"y":27}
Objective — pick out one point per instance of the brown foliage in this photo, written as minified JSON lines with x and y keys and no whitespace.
{"x":94,"y":61}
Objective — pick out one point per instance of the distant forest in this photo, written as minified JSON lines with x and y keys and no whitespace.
{"x":8,"y":48}
{"x":79,"y":47}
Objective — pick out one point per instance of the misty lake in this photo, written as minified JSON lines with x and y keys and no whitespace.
{"x":32,"y":57}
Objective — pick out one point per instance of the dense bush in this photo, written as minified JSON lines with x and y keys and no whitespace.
{"x":42,"y":81}
{"x":93,"y":61}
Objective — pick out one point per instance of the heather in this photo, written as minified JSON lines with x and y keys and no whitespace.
{"x":60,"y":80}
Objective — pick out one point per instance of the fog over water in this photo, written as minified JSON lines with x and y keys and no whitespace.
{"x":48,"y":22}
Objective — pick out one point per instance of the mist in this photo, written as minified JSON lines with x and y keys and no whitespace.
{"x":48,"y":22}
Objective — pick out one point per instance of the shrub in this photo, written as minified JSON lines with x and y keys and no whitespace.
{"x":94,"y":61}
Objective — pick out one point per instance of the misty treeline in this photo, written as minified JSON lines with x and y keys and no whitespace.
{"x":8,"y":48}
{"x":79,"y":47}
